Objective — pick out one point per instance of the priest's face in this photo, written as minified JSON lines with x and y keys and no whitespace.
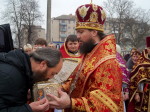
{"x":87,"y":43}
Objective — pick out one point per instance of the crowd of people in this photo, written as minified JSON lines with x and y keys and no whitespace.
{"x":103,"y":81}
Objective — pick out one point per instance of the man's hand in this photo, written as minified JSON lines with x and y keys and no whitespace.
{"x":40,"y":106}
{"x":62,"y":102}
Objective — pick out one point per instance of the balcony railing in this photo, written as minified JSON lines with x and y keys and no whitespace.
{"x":63,"y":29}
{"x":63,"y":35}
{"x":63,"y":24}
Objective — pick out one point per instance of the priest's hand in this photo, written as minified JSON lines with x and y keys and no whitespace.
{"x":62,"y":102}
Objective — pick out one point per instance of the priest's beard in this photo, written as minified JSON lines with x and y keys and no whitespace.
{"x":39,"y":76}
{"x":87,"y":47}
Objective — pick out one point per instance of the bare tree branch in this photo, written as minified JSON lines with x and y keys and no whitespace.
{"x":23,"y":14}
{"x":128,"y":23}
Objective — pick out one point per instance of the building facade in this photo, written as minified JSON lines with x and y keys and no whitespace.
{"x":62,"y":26}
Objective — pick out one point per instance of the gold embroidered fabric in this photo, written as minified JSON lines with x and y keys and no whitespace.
{"x":140,"y":76}
{"x":100,"y":76}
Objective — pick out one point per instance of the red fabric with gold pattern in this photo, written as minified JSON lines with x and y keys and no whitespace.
{"x":98,"y":87}
{"x":90,"y":16}
{"x":140,"y":74}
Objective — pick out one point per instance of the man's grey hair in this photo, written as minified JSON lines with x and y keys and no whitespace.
{"x":51,"y":56}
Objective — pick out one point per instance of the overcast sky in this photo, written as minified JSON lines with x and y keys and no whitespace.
{"x":60,"y":7}
{"x":69,"y":6}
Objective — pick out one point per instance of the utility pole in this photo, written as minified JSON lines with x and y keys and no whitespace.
{"x":48,"y":32}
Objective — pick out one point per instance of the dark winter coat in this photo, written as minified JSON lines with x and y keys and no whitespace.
{"x":15,"y":80}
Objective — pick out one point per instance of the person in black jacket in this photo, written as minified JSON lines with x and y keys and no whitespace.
{"x":18,"y":72}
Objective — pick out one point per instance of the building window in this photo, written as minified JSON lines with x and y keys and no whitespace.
{"x":63,"y":39}
{"x":63,"y":28}
{"x":62,"y":32}
{"x":62,"y":21}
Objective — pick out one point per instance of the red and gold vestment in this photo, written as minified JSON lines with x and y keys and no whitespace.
{"x":97,"y":81}
{"x":140,"y":83}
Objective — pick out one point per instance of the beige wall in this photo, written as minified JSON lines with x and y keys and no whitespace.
{"x":71,"y":27}
{"x":57,"y":29}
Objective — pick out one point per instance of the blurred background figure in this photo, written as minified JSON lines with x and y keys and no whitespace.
{"x":132,"y":51}
{"x":127,"y":56}
{"x":140,"y":83}
{"x":70,"y":49}
{"x":133,"y":59}
{"x":39,"y":43}
{"x":52,"y":45}
{"x":125,"y":74}
{"x":28,"y":48}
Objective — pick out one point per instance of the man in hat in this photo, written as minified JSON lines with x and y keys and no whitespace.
{"x":140,"y":84}
{"x":95,"y":85}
